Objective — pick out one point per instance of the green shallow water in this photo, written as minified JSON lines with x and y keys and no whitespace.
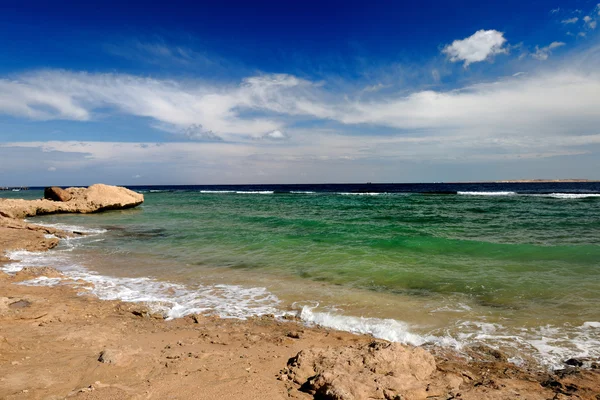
{"x":504,"y":250}
{"x":520,"y":262}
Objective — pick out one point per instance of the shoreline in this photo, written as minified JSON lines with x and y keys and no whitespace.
{"x":52,"y":339}
{"x":57,"y":343}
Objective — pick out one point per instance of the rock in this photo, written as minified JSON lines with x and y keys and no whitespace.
{"x":19,"y":235}
{"x":19,"y":304}
{"x":361,"y":371}
{"x":574,"y":362}
{"x":294,"y":335}
{"x":95,"y":198}
{"x":55,"y":193}
{"x":110,"y":356}
{"x":4,"y":303}
{"x":486,"y":353}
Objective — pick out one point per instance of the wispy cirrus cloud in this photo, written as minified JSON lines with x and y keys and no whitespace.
{"x":542,"y":53}
{"x":570,"y":20}
{"x":263,"y":104}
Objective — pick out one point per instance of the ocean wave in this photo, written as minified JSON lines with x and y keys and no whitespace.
{"x":70,"y":228}
{"x":360,"y":193}
{"x":255,"y":192}
{"x":551,"y":195}
{"x":237,"y":191}
{"x":387,"y":329}
{"x":487,"y":193}
{"x":172,"y":299}
{"x":571,"y":195}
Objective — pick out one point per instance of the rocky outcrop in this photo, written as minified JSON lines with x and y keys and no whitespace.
{"x":19,"y":235}
{"x":82,"y":200}
{"x":378,"y":370}
{"x":16,"y":234}
{"x":55,"y":193}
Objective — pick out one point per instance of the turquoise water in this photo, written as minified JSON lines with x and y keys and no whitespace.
{"x":519,"y":271}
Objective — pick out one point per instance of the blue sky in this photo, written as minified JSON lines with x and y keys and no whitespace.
{"x":268,"y":92}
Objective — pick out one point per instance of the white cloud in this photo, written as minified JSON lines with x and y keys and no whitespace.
{"x":555,"y":10}
{"x":480,"y":46}
{"x":533,"y":115}
{"x":542,"y":53}
{"x":263,"y":105}
{"x":51,"y":169}
{"x":570,"y":20}
{"x":275,"y":135}
{"x":57,"y":94}
{"x":590,"y":22}
{"x":197,"y":132}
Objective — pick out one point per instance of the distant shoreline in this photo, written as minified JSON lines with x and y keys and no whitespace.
{"x":534,"y":181}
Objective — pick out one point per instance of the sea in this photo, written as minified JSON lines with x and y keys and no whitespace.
{"x":514,"y":266}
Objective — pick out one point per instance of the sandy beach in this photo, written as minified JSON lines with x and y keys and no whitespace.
{"x":58,"y":342}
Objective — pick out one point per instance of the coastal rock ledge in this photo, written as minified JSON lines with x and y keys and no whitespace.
{"x":93,"y":199}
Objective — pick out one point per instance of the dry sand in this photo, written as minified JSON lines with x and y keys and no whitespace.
{"x":56,"y":343}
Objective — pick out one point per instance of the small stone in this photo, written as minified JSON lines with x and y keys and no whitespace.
{"x":390,"y":395}
{"x":294,"y":335}
{"x":574,"y":362}
{"x":108,"y":356}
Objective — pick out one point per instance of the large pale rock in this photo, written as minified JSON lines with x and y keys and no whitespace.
{"x":55,"y":193}
{"x":379,"y":370}
{"x":96,"y":198}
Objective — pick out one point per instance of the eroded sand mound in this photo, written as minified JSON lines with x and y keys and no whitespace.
{"x":96,"y":198}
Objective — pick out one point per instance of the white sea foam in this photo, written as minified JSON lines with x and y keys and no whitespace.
{"x":42,"y":281}
{"x":571,"y":195}
{"x":361,"y":193}
{"x":237,"y":191}
{"x":387,"y":329}
{"x":172,"y":299}
{"x":458,"y":307}
{"x":70,"y":228}
{"x":487,"y":193}
{"x":552,"y":195}
{"x":255,"y":192}
{"x":591,"y":324}
{"x":302,"y":192}
{"x":175,"y":300}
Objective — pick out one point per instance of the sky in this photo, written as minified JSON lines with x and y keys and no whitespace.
{"x":306,"y":92}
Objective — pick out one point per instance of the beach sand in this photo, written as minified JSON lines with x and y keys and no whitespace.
{"x":56,"y":343}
